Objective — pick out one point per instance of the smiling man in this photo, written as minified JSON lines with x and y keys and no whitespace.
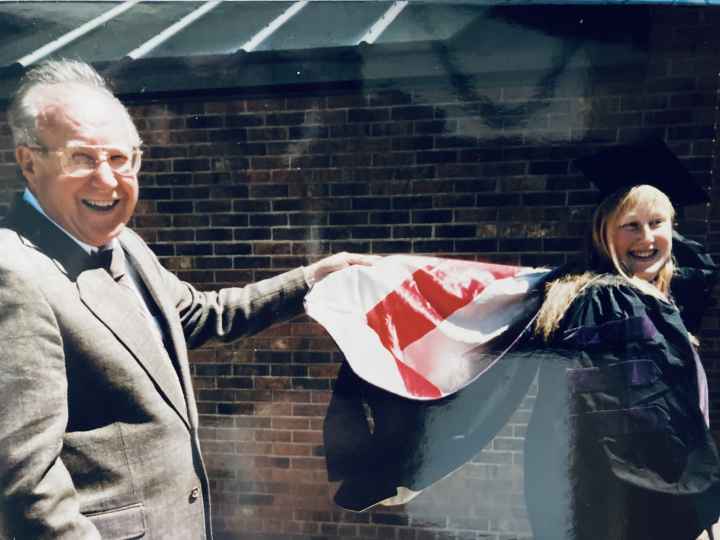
{"x":98,"y":424}
{"x":82,"y":161}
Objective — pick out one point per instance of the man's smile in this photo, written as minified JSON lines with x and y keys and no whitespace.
{"x":100,"y":205}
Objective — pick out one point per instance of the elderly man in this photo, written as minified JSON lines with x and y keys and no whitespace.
{"x":98,"y":428}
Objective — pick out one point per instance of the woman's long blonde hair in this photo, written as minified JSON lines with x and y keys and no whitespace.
{"x":560,"y":293}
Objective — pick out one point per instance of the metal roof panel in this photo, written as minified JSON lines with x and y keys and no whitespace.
{"x":27,"y":26}
{"x":425,"y":22}
{"x":319,"y":43}
{"x":326,"y":24}
{"x":223,"y":30}
{"x":127,"y":31}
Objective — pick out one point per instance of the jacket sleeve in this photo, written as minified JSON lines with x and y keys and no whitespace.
{"x":233,"y":312}
{"x":37,"y":496}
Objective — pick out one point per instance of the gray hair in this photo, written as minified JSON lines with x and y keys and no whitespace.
{"x":26,"y":102}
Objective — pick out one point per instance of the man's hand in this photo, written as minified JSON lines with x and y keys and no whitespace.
{"x":318,"y":270}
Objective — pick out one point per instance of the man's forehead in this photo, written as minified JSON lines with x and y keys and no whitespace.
{"x":66,"y":92}
{"x":74,"y":100}
{"x":69,"y":108}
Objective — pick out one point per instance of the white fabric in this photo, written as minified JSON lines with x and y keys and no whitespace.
{"x":447,"y":352}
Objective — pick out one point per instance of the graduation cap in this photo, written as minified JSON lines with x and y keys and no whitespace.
{"x":646,"y":162}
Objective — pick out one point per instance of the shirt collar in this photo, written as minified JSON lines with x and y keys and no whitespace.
{"x":29,"y":198}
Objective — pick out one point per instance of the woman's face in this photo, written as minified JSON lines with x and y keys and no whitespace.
{"x":642,"y":239}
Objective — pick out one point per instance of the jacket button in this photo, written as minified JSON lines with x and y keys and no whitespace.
{"x":194,"y":494}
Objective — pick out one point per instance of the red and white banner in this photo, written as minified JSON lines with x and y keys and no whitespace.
{"x":416,"y":326}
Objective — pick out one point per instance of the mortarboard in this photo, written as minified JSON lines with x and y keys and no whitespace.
{"x":646,"y":162}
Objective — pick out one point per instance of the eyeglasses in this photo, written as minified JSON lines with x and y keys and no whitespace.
{"x":78,"y":161}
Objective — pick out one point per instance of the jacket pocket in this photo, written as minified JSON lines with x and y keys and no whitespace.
{"x":124,"y":523}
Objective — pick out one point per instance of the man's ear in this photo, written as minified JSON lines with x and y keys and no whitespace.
{"x":26,"y":159}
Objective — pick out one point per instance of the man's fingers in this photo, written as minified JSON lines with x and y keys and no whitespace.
{"x":343,"y":259}
{"x":318,"y":270}
{"x":365,"y":260}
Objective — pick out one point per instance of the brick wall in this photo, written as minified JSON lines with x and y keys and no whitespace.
{"x":241,"y":187}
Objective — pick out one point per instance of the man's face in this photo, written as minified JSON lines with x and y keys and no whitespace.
{"x":95,"y":206}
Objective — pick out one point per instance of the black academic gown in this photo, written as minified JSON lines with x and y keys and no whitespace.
{"x":617,"y":447}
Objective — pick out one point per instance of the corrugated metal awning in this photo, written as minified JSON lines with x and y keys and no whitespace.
{"x":217,"y":27}
{"x":195,"y":36}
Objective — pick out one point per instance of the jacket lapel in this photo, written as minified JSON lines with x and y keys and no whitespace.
{"x":107,"y":301}
{"x":143,"y":262}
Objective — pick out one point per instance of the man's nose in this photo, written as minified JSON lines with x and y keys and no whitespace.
{"x":104,"y":174}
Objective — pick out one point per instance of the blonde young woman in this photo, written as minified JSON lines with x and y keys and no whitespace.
{"x":618,"y":447}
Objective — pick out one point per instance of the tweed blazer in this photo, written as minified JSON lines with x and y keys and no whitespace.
{"x":98,"y":422}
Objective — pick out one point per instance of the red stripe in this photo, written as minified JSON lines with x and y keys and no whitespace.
{"x":416,"y":384}
{"x":428,"y":297}
{"x":421,"y":302}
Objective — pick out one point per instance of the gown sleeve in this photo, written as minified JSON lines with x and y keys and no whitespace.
{"x":696,"y":275}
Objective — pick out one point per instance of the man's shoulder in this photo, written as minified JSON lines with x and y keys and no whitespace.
{"x":20,"y":231}
{"x":137,"y":246}
{"x":24,"y":269}
{"x":129,"y":236}
{"x":11,"y":241}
